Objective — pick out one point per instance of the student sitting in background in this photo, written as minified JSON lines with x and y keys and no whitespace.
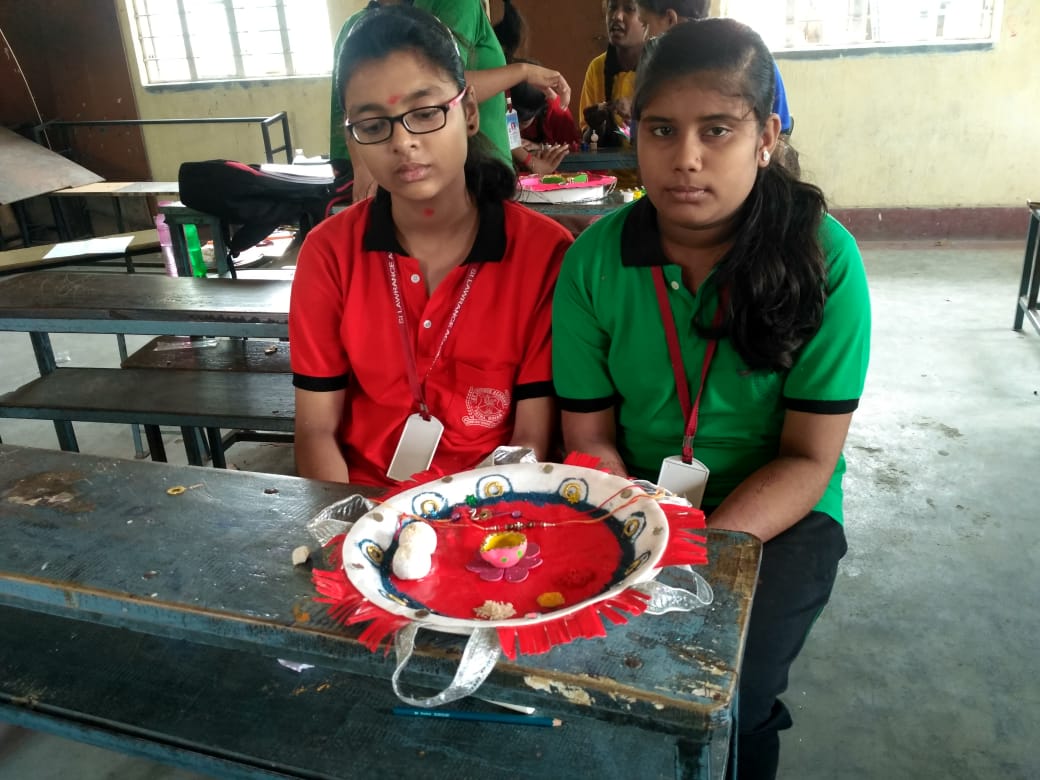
{"x":606,"y":95}
{"x":547,"y":127}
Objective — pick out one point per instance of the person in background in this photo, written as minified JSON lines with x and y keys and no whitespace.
{"x":606,"y":95}
{"x":723,"y":321}
{"x":547,"y":128}
{"x":486,"y":71}
{"x":420,"y":318}
{"x":511,"y":31}
{"x":661,"y":15}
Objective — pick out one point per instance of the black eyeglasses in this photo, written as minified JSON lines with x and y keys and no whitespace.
{"x":418,"y":121}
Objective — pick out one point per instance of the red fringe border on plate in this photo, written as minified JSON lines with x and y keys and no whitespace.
{"x":586,"y":623}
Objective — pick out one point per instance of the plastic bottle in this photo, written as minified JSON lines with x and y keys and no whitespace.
{"x":191,"y":238}
{"x":166,"y":245}
{"x":593,"y":142}
{"x":513,"y":125}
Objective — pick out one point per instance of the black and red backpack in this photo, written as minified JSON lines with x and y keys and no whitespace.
{"x":252,"y":203}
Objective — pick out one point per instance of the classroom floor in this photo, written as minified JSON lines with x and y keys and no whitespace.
{"x":920,"y":667}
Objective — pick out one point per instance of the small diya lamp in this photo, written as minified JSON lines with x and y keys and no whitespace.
{"x":503,"y":550}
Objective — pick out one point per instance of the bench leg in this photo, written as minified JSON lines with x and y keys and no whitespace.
{"x":191,"y":445}
{"x":155,"y":443}
{"x":1029,"y":271}
{"x":216,"y":448}
{"x":135,"y":430}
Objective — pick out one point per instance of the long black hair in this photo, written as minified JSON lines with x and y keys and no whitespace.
{"x":510,"y":30}
{"x":773,"y":277}
{"x":386,"y":30}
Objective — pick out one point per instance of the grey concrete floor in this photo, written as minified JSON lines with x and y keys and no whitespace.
{"x":924,"y":664}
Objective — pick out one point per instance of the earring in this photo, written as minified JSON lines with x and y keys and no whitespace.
{"x":765,"y":156}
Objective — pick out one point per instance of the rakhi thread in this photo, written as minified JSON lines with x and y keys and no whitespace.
{"x":469,"y":515}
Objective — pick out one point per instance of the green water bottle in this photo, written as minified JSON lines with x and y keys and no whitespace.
{"x":191,"y":239}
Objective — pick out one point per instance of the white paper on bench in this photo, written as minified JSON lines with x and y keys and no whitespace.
{"x":110,"y":245}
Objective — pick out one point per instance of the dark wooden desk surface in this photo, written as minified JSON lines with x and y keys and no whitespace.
{"x":101,"y":539}
{"x":601,"y":160}
{"x":63,"y":302}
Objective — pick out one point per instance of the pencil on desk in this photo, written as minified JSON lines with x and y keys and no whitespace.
{"x":483,"y":717}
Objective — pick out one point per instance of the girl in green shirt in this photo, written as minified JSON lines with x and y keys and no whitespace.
{"x":725,"y":316}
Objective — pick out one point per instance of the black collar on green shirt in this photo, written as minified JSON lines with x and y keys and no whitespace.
{"x":640,"y":237}
{"x":488,"y":247}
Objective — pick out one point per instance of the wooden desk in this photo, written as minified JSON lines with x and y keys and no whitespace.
{"x":178,"y":215}
{"x":207,"y":576}
{"x":117,"y":191}
{"x":149,"y":304}
{"x":1029,"y":287}
{"x":31,"y":258}
{"x":601,"y":160}
{"x":120,"y":189}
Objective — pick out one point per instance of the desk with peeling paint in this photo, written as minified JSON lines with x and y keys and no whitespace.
{"x":150,"y":623}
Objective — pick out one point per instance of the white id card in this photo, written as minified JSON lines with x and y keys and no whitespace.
{"x":416,"y":448}
{"x":684,"y":479}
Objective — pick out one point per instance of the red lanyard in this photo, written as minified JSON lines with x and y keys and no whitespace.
{"x":671,"y":335}
{"x":419,"y":388}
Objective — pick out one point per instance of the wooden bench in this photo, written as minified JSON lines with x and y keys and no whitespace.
{"x":150,"y":304}
{"x":183,"y":352}
{"x":32,"y":258}
{"x":210,"y":400}
{"x":108,"y":687}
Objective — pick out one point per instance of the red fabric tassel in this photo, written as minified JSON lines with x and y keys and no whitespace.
{"x":533,"y":639}
{"x":507,"y":639}
{"x":587,"y":623}
{"x":612,"y":615}
{"x":557,"y":631}
{"x":381,"y":628}
{"x":684,"y":547}
{"x":582,"y":459}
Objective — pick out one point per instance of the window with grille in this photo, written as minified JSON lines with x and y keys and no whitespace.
{"x":847,"y":24}
{"x":220,"y":40}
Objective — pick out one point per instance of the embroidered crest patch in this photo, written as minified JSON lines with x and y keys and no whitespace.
{"x":486,"y":406}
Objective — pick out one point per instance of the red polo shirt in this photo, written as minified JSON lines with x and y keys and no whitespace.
{"x":344,"y":332}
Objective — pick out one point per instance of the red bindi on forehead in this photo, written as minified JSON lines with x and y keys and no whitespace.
{"x":428,"y":212}
{"x":393,"y":100}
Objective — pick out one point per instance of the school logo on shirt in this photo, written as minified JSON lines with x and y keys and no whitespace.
{"x":486,"y":406}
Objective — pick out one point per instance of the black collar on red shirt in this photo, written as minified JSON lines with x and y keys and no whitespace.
{"x":488,"y":247}
{"x":641,"y":238}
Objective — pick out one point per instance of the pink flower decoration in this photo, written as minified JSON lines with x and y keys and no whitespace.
{"x":515,"y":573}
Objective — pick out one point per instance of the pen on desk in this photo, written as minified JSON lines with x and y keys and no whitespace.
{"x":483,"y":717}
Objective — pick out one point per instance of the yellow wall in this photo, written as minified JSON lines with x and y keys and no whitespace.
{"x":306,"y":100}
{"x":878,"y":130}
{"x":956,"y":129}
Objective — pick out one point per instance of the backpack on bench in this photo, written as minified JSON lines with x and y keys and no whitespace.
{"x":257,"y":202}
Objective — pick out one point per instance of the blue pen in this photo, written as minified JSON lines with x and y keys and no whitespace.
{"x":483,"y":717}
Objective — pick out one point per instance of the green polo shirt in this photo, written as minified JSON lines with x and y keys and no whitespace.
{"x":609,"y":349}
{"x":479,"y":49}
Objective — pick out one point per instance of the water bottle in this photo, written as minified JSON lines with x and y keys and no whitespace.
{"x":198,"y":264}
{"x":166,"y":245}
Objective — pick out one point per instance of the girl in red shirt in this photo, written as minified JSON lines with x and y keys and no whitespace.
{"x":420,"y":318}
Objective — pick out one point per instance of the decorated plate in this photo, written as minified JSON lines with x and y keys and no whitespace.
{"x":530,"y":540}
{"x":565,"y":187}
